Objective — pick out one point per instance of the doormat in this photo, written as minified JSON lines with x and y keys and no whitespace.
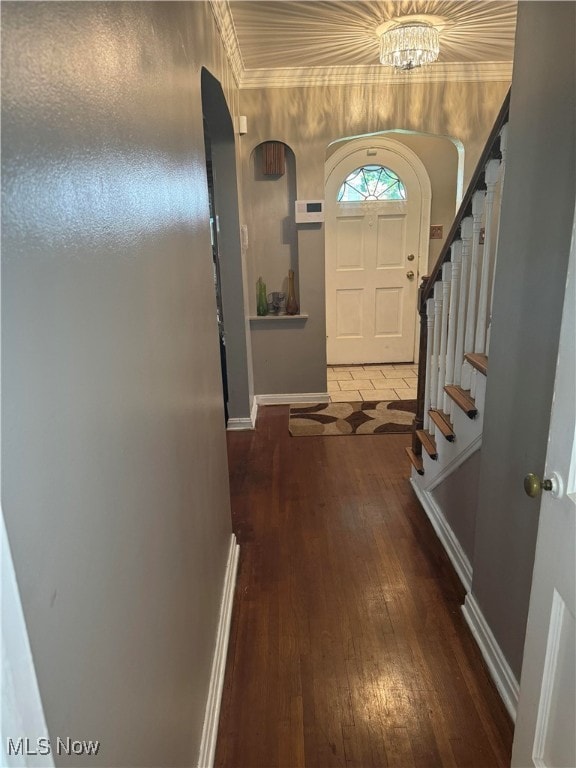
{"x":365,"y":418}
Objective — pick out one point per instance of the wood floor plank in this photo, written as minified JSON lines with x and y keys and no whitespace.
{"x":347,"y":646}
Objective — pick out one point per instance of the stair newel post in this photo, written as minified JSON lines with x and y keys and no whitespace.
{"x":504,"y":152}
{"x":436,"y":350}
{"x":429,"y":361}
{"x":466,"y":235}
{"x":491,"y":176}
{"x":456,"y":253}
{"x":421,"y":411}
{"x":478,"y":201}
{"x":446,"y":279}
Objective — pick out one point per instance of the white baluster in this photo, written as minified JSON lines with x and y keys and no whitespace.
{"x":478,"y":199}
{"x":446,"y":278}
{"x":466,"y":235}
{"x":456,"y":253}
{"x":436,"y":348}
{"x":492,"y":174}
{"x":429,"y":360}
{"x":504,"y":152}
{"x":473,"y":380}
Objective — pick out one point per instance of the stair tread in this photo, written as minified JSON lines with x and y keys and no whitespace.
{"x":442,"y":421}
{"x":463,"y":399}
{"x":428,"y":443}
{"x":416,"y":461}
{"x":478,"y":361}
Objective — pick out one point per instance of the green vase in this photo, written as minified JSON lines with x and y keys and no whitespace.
{"x":292,"y":307}
{"x":261,"y":300}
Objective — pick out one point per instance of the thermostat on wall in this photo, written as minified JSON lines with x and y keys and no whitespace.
{"x":309,"y":211}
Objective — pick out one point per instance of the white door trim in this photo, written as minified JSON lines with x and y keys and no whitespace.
{"x":425,"y":190}
{"x":25,"y":741}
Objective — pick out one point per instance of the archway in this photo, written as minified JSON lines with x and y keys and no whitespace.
{"x":376,"y":247}
{"x":235,"y":347}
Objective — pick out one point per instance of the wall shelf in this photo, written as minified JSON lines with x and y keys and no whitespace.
{"x":257,"y":319}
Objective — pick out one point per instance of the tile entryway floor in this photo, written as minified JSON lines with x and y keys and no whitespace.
{"x":348,"y":383}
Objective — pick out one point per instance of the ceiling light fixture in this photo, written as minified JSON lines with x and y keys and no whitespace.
{"x":409,"y":45}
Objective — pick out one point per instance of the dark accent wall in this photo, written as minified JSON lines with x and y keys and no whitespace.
{"x":457,"y":498}
{"x":225,"y":185}
{"x":536,"y":222}
{"x":115,"y":484}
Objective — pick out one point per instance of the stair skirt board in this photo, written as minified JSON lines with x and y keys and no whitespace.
{"x":299,"y":397}
{"x":452,"y":546}
{"x":212,"y":714}
{"x":439,"y":476}
{"x":498,"y":666}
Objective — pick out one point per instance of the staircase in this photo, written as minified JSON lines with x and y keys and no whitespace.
{"x":455,"y":304}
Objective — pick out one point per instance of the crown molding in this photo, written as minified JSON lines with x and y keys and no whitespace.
{"x":225,"y":23}
{"x":308,"y":77}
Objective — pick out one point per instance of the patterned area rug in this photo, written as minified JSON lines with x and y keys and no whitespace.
{"x":366,"y":418}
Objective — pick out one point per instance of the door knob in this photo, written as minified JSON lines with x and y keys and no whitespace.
{"x":410,"y":275}
{"x":410,"y":257}
{"x":533,"y":485}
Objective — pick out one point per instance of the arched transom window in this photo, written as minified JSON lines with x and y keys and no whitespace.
{"x":371,"y":182}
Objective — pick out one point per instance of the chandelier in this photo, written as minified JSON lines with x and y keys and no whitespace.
{"x":409,"y":45}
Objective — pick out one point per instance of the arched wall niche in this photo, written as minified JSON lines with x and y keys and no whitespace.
{"x":273,"y":239}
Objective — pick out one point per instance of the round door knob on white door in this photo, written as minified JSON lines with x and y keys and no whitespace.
{"x":410,"y":275}
{"x":533,"y":485}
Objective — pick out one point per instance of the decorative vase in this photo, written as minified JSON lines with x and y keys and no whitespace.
{"x":292,"y":307}
{"x":261,"y":300}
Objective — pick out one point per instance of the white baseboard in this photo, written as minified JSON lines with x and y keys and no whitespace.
{"x":499,"y":668}
{"x":452,"y":546}
{"x":238,"y":425}
{"x":212,"y":716}
{"x":289,"y":399}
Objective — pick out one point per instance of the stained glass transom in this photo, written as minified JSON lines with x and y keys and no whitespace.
{"x":371,"y":182}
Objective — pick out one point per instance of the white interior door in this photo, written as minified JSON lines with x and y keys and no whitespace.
{"x":373,"y":256}
{"x":545,"y":735}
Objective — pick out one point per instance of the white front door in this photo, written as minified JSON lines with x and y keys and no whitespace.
{"x":374,"y":249}
{"x":545,"y":735}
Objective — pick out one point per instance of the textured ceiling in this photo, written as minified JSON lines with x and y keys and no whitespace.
{"x":287,"y":34}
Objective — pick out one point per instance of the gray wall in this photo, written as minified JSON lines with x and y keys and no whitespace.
{"x":457,"y":498}
{"x":309,"y":120}
{"x":115,"y":488}
{"x":536,"y":221}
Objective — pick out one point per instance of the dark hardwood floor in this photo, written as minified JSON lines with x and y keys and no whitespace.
{"x":347,"y":645}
